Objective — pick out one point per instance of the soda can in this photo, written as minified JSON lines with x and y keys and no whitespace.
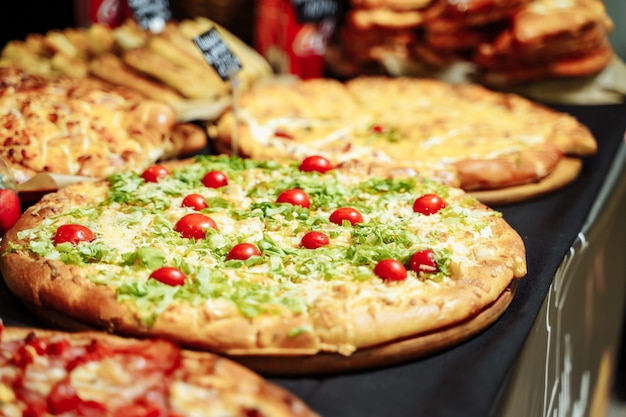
{"x":107,"y":12}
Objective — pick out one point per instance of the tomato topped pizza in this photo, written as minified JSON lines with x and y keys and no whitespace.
{"x":461,"y":134}
{"x":48,"y":372}
{"x":258,"y":257}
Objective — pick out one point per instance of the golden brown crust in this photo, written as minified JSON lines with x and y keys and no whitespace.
{"x":232,"y":385}
{"x":349,"y":316}
{"x":566,"y":171}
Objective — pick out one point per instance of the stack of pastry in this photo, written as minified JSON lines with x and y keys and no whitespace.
{"x":374,"y":30}
{"x":548,"y":38}
{"x":454,"y":29}
{"x":506,"y":41}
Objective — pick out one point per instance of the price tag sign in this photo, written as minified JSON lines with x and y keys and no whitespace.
{"x":313,"y":11}
{"x":217,"y":53}
{"x":151,"y":14}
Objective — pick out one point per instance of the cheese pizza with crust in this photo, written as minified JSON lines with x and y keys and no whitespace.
{"x":84,"y":127}
{"x":482,"y":139}
{"x":49,"y":372}
{"x":248,"y":257}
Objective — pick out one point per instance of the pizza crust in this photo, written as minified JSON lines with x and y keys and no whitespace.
{"x":566,"y":171}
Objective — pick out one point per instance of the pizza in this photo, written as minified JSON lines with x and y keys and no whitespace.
{"x":247,"y":257}
{"x":84,"y":127}
{"x":459,"y":133}
{"x":49,"y":372}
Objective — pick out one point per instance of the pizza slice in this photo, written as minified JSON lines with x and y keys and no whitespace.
{"x":84,"y":127}
{"x":49,"y":372}
{"x":463,"y":134}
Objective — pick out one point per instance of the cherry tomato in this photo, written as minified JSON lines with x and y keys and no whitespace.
{"x":346,"y":213}
{"x":194,"y":225}
{"x":428,"y":204}
{"x":215,"y":179}
{"x":314,"y":240}
{"x":155,"y":173}
{"x":62,"y":397}
{"x":423,"y":261}
{"x":390,"y":270}
{"x":294,"y":196}
{"x":243,"y":251}
{"x":316,"y":163}
{"x":195,"y":201}
{"x":9,"y":209}
{"x":169,"y":275}
{"x":23,"y":357}
{"x":58,"y":347}
{"x":40,"y":344}
{"x":73,"y":233}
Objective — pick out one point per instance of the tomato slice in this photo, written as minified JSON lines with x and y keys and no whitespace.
{"x":215,"y":179}
{"x":424,"y":261}
{"x":428,"y":204}
{"x":243,"y":251}
{"x":155,"y":173}
{"x":314,"y":240}
{"x":195,"y":201}
{"x":73,"y":233}
{"x":194,"y":225}
{"x":316,"y":163}
{"x":346,"y":213}
{"x":294,"y":196}
{"x":390,"y":270}
{"x":283,"y":134}
{"x":169,"y":275}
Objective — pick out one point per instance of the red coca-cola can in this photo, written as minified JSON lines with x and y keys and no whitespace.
{"x":289,"y":45}
{"x":108,"y":12}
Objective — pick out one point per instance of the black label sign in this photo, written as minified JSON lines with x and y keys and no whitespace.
{"x":308,"y":11}
{"x":151,"y":14}
{"x":217,"y":53}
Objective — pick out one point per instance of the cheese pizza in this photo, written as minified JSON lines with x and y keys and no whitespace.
{"x":84,"y":127}
{"x":248,"y":257}
{"x":48,"y":372}
{"x":483,"y":139}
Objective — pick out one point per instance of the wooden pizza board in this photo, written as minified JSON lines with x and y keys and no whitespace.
{"x":566,"y":171}
{"x":332,"y":363}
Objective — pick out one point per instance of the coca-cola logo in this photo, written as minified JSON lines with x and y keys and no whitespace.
{"x":108,"y":11}
{"x":312,"y":38}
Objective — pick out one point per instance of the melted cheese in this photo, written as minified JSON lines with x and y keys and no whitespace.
{"x":78,"y":127}
{"x":300,"y":276}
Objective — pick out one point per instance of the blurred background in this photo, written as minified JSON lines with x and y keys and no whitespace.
{"x":21,"y":17}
